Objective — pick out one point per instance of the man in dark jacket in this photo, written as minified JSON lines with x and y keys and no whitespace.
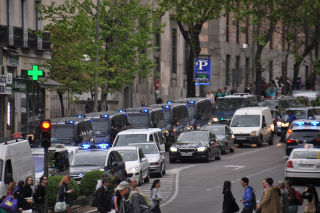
{"x":104,"y":196}
{"x":132,"y":202}
{"x":40,"y":194}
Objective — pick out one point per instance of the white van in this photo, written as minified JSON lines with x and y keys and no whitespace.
{"x":16,"y":163}
{"x":252,"y":125}
{"x":140,"y":136}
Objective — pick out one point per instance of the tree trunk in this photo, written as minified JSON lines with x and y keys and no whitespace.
{"x":60,"y":95}
{"x":190,"y":82}
{"x":258,"y":69}
{"x":285,"y":75}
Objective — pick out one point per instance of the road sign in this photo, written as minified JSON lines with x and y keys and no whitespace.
{"x":202,"y":70}
{"x":22,"y":85}
{"x":35,"y":72}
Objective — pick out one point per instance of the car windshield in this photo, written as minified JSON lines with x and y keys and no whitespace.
{"x":305,"y":134}
{"x":300,"y":114}
{"x":138,"y":120}
{"x":191,"y":110}
{"x":62,"y":131}
{"x":88,"y":159}
{"x":306,"y":155}
{"x":271,"y":104}
{"x":129,"y":155}
{"x":316,"y":111}
{"x":229,"y":104}
{"x":167,"y":116}
{"x":124,"y":140}
{"x":38,"y":162}
{"x":100,"y":126}
{"x":192,"y":137}
{"x":246,"y":121}
{"x":218,"y":130}
{"x":149,"y":148}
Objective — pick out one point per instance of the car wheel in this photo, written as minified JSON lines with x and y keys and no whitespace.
{"x":271,"y":139}
{"x":231,"y":149}
{"x":208,"y":157}
{"x":164,"y":169}
{"x":140,"y":179}
{"x":219,"y":155}
{"x":259,"y":143}
{"x":224,"y":151}
{"x":147,"y":179}
{"x":160,"y":172}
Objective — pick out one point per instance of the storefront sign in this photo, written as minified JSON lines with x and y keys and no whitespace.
{"x":22,"y":85}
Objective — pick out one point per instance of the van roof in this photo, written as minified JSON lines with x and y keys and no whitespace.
{"x":138,"y":109}
{"x":251,"y":110}
{"x":166,"y":104}
{"x":41,"y":150}
{"x":238,"y":95}
{"x":139,"y":131}
{"x":185,"y":100}
{"x":64,"y":119}
{"x":117,"y":148}
{"x":15,"y":141}
{"x":98,"y":114}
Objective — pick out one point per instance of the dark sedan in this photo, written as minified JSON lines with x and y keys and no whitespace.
{"x":198,"y":144}
{"x":224,"y":134}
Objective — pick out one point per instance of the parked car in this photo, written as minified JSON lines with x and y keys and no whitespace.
{"x":303,"y":132}
{"x":303,"y":163}
{"x":224,"y":134}
{"x":156,"y":158}
{"x":137,"y":165}
{"x":197,"y":144}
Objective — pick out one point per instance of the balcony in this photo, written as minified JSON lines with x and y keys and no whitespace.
{"x":17,"y":37}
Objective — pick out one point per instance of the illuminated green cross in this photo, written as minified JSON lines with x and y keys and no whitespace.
{"x":35,"y":72}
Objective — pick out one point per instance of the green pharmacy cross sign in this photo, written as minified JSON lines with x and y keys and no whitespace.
{"x":35,"y":72}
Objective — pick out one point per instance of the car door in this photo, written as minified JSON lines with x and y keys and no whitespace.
{"x":264,"y":129}
{"x":144,"y":163}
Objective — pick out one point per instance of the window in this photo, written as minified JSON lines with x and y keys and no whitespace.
{"x":227,"y":70}
{"x":247,"y":70}
{"x":8,"y":175}
{"x":24,"y":13}
{"x":227,"y":27}
{"x":237,"y":31}
{"x":237,"y":62}
{"x":270,"y":70}
{"x":174,"y":51}
{"x":247,"y":31}
{"x":186,"y":56}
{"x":37,"y":14}
{"x":9,"y":13}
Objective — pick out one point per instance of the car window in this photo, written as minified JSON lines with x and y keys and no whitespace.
{"x":129,"y":155}
{"x":306,"y":155}
{"x":8,"y":175}
{"x":117,"y":157}
{"x":160,"y":137}
{"x":156,"y":137}
{"x":192,"y":137}
{"x":151,"y":138}
{"x":246,"y":121}
{"x":149,"y":148}
{"x":88,"y":159}
{"x":124,"y":140}
{"x":141,"y":154}
{"x":218,"y":130}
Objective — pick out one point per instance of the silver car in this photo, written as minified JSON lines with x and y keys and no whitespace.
{"x":156,"y":158}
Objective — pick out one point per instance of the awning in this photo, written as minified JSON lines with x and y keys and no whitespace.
{"x":48,"y":83}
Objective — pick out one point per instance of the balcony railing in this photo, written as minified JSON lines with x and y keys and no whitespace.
{"x":17,"y":37}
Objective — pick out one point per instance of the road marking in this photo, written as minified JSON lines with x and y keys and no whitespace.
{"x":249,"y":152}
{"x":235,"y":167}
{"x":209,"y":190}
{"x":176,"y":190}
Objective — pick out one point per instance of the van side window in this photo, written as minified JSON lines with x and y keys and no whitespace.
{"x":264,"y":122}
{"x":1,"y":166}
{"x":117,"y":157}
{"x":151,"y":137}
{"x":8,"y":175}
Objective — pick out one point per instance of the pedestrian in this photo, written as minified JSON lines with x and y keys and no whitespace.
{"x":25,"y":196}
{"x":117,"y":195}
{"x":248,"y":89}
{"x":159,"y":101}
{"x":311,"y":195}
{"x":104,"y":196}
{"x":11,"y":186}
{"x":219,"y":93}
{"x":89,"y":106}
{"x":211,"y":96}
{"x":270,"y":202}
{"x":248,"y":198}
{"x":234,"y":90}
{"x":133,"y":184}
{"x":293,"y":207}
{"x":143,"y":104}
{"x":226,"y":91}
{"x":156,"y":196}
{"x":229,"y":203}
{"x":64,"y":191}
{"x":40,"y":194}
{"x":284,"y":201}
{"x":271,"y":91}
{"x":132,"y":202}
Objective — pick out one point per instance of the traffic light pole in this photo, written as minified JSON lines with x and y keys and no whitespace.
{"x":46,"y":173}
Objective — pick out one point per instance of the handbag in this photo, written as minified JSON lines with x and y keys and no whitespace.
{"x":310,"y":207}
{"x":235,"y":206}
{"x":60,"y":206}
{"x":10,"y":203}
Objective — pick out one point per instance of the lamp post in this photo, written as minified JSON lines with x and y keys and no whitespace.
{"x":97,"y":59}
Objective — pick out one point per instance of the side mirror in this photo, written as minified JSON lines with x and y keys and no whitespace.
{"x":143,"y":159}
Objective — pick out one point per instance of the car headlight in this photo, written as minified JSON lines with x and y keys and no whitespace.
{"x":133,"y":170}
{"x":285,"y":124}
{"x":253,"y":133}
{"x":191,"y":127}
{"x":215,"y":119}
{"x":173,"y":149}
{"x":201,"y":149}
{"x":232,"y":136}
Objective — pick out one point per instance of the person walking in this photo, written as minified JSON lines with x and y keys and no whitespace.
{"x":25,"y":197}
{"x":64,"y":191}
{"x":270,"y":202}
{"x":293,"y":207}
{"x":104,"y":196}
{"x":311,"y":195}
{"x":219,"y":93}
{"x":40,"y":194}
{"x":156,"y":196}
{"x":248,"y":198}
{"x":284,"y":201}
{"x":271,"y":91}
{"x":229,"y":203}
{"x":117,"y":195}
{"x":11,"y":186}
{"x":133,"y":184}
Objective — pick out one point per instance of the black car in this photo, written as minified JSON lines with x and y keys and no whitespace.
{"x":224,"y":134}
{"x":197,"y":144}
{"x":303,"y":132}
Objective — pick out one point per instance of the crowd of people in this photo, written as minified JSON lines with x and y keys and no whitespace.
{"x":280,"y":198}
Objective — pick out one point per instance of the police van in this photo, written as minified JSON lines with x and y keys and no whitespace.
{"x":227,"y":105}
{"x":71,"y":131}
{"x":106,"y":125}
{"x":176,"y":120}
{"x":199,"y":111}
{"x":146,"y":117}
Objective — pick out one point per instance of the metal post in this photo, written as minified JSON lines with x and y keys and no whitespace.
{"x":197,"y":90}
{"x":97,"y":59}
{"x":46,"y":174}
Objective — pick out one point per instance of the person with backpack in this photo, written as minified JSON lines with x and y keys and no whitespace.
{"x":40,"y":194}
{"x":132,"y":202}
{"x":248,"y":198}
{"x":293,"y":206}
{"x":156,"y":196}
{"x":104,"y":196}
{"x":311,"y":195}
{"x":283,"y":197}
{"x":270,"y":202}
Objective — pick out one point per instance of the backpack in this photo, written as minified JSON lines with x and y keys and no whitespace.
{"x":150,"y":204}
{"x":254,"y":200}
{"x":298,"y":200}
{"x":94,"y":199}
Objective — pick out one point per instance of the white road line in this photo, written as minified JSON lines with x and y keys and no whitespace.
{"x":176,"y":190}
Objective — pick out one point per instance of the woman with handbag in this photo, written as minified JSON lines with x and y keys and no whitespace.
{"x":156,"y":196}
{"x":63,"y":196}
{"x":229,"y":203}
{"x":25,"y":196}
{"x":311,"y":195}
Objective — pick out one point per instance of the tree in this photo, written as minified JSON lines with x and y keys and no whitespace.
{"x":190,"y":16}
{"x":125,"y":43}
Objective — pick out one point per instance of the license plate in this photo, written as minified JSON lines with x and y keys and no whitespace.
{"x":306,"y":165}
{"x":241,"y":138}
{"x":186,"y":153}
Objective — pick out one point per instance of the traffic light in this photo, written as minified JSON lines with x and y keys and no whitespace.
{"x":45,"y":136}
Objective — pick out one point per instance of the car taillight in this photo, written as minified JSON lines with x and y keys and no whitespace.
{"x":290,"y":141}
{"x":289,"y":131}
{"x":289,"y":164}
{"x":318,"y":140}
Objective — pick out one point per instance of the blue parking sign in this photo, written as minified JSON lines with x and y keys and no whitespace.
{"x":202,"y":70}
